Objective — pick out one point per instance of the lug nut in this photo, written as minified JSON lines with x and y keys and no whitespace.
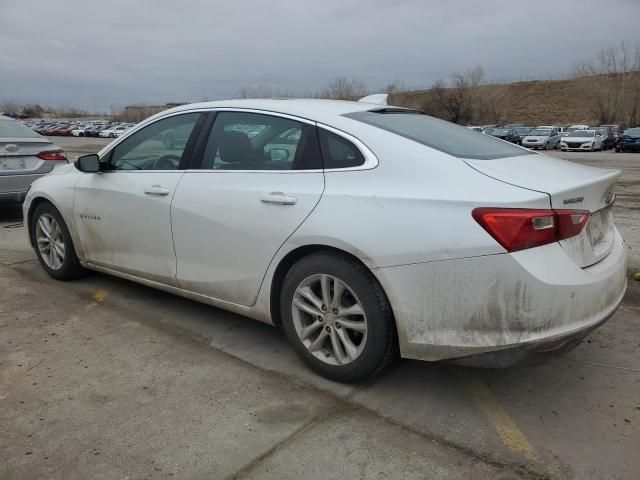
{"x":323,"y":308}
{"x":335,"y":311}
{"x":320,"y":319}
{"x":338,"y":325}
{"x":328,"y":328}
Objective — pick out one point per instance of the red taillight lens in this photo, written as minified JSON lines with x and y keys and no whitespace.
{"x":52,"y":155}
{"x":517,"y":229}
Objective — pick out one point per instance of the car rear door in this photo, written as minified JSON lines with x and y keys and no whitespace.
{"x":259,"y":176}
{"x":122,"y":213}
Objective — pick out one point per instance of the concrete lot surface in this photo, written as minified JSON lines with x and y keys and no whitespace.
{"x":103,"y":378}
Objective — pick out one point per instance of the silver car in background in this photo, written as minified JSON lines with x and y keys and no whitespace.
{"x":541,"y":137}
{"x":24,"y":156}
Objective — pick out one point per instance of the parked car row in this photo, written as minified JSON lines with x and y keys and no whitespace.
{"x":573,"y":138}
{"x":94,"y":128}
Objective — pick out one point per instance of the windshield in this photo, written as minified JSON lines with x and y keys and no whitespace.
{"x":633,"y":131}
{"x":444,"y":136}
{"x":540,"y":132}
{"x":13,"y":129}
{"x":523,"y":131}
{"x":500,"y":131}
{"x":582,"y":133}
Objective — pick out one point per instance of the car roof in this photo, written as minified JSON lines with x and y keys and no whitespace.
{"x":301,"y":107}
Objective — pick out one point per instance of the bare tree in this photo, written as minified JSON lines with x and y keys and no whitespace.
{"x":33,"y":110}
{"x":615,"y":77}
{"x":342,"y":88}
{"x":10,"y":108}
{"x":461,"y":100}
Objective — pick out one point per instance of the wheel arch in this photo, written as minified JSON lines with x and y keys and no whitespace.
{"x":40,"y":199}
{"x":288,"y":260}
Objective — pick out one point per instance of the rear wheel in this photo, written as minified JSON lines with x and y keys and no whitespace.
{"x":53,"y":244}
{"x":337,"y":318}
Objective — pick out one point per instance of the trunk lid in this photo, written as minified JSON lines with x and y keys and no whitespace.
{"x":569,"y":186}
{"x":19,"y":156}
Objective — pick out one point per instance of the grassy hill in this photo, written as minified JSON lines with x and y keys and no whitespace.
{"x":538,"y":102}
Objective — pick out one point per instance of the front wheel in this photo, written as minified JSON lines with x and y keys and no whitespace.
{"x":337,"y":318}
{"x":52,"y":243}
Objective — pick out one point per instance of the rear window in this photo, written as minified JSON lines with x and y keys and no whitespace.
{"x":13,"y":129}
{"x":444,"y":136}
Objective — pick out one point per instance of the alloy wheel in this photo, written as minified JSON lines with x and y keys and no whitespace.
{"x":50,"y":241}
{"x":329,"y":319}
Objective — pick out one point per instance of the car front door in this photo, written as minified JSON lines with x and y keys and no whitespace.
{"x":123,"y":212}
{"x":259,"y":177}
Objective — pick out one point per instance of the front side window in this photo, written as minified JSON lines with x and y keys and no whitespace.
{"x":255,"y":141}
{"x":159,"y":146}
{"x":440,"y":135}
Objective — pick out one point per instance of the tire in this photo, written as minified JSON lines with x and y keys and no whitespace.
{"x":377,"y":345}
{"x":69,"y":268}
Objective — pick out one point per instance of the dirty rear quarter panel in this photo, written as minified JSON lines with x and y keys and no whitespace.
{"x":453,"y":308}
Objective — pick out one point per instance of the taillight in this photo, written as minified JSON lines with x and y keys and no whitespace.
{"x":52,"y":155}
{"x":517,"y":229}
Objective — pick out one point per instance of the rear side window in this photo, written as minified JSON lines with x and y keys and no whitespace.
{"x":338,"y":152}
{"x":444,"y":136}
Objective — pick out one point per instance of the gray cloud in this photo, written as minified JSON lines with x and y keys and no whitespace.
{"x":99,"y":54}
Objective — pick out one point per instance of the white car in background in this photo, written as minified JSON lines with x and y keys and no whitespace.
{"x":589,"y":140}
{"x":114,"y":131}
{"x":363,"y":230}
{"x":573,"y":128}
{"x":542,"y":138}
{"x":79,"y":130}
{"x":119,"y":130}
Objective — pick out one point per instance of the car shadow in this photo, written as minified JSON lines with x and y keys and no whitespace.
{"x":11,"y":213}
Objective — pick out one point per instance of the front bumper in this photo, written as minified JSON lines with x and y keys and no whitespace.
{"x":584,"y":147}
{"x":457,"y":308}
{"x":628,"y":146}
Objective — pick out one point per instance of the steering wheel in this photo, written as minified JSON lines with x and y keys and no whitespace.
{"x":166,"y":162}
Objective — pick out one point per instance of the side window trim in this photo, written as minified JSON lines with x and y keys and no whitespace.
{"x":370,"y":160}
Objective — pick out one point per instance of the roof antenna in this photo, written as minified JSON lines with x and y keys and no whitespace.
{"x":376,"y":99}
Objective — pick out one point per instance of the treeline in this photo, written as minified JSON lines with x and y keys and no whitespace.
{"x":612,"y":93}
{"x":34,"y":110}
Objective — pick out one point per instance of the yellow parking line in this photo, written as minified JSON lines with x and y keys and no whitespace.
{"x":509,"y":432}
{"x":101,"y":295}
{"x":98,"y":298}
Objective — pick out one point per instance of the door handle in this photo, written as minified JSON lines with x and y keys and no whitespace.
{"x":156,"y":190}
{"x":278,"y":198}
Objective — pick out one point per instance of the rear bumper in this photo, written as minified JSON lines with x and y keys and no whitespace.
{"x":13,"y":188}
{"x":457,"y":308}
{"x":532,"y":354}
{"x":12,"y":197}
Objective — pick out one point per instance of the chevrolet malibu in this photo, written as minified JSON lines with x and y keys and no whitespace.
{"x":364,"y":231}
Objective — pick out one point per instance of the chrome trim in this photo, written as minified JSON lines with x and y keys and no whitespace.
{"x":370,"y":160}
{"x":106,"y":150}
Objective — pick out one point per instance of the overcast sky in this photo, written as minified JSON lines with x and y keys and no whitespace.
{"x":97,"y":54}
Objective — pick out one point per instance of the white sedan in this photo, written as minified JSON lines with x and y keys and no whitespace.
{"x":589,"y":140}
{"x":114,"y":132}
{"x":364,"y":231}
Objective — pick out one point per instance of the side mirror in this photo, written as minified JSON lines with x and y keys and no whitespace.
{"x":88,"y":163}
{"x":279,"y":154}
